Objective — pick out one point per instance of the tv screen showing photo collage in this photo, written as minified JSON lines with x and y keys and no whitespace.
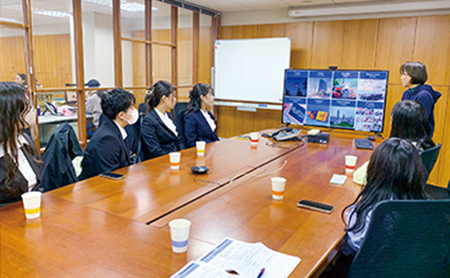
{"x":341,"y":99}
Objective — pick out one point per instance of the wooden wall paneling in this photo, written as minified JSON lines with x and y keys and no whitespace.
{"x":267,"y":119}
{"x":183,"y":94}
{"x":328,"y":43}
{"x":195,"y":47}
{"x":232,"y":122}
{"x":162,"y":63}
{"x":205,"y":58}
{"x":271,"y":31}
{"x":444,"y":161}
{"x":440,"y":113}
{"x":395,"y":45}
{"x":53,"y":60}
{"x":432,"y":47}
{"x":185,"y":56}
{"x":148,"y":47}
{"x":139,"y":63}
{"x":117,"y":33}
{"x":12,"y":58}
{"x":174,"y":40}
{"x":301,"y":43}
{"x":239,"y":32}
{"x":161,"y":35}
{"x":360,"y":40}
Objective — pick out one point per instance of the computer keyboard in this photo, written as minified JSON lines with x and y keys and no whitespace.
{"x":287,"y":135}
{"x":363,"y":144}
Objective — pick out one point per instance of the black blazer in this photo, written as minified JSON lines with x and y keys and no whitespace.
{"x":196,"y":128}
{"x":21,"y":184}
{"x":105,"y":152}
{"x":156,"y":138}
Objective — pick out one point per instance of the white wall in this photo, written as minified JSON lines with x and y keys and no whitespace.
{"x":281,"y":16}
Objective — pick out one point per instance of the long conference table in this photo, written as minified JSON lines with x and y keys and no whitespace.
{"x":105,"y":228}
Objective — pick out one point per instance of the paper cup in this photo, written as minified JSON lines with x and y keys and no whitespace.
{"x":175,"y":160}
{"x":32,"y":204}
{"x":350,"y":163}
{"x":254,"y":137}
{"x":278,"y":185}
{"x":179,"y":233}
{"x":200,"y":148}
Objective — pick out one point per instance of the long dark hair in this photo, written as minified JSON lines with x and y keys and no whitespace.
{"x":24,"y":78}
{"x":195,"y":102}
{"x":14,"y":105}
{"x":410,"y":122}
{"x":395,"y":171}
{"x":154,"y":95}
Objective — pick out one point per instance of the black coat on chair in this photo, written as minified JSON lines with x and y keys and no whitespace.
{"x":196,"y":128}
{"x":156,"y":138}
{"x":105,"y":152}
{"x":62,"y":147}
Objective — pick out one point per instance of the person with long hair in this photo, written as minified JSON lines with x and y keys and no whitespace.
{"x":395,"y":171}
{"x":414,"y":76}
{"x":107,"y":150}
{"x":199,"y":123}
{"x":20,"y":169}
{"x":159,"y":135}
{"x":410,"y":122}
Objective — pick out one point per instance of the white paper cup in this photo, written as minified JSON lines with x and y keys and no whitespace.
{"x":32,"y":204}
{"x":278,"y":185}
{"x":350,"y":163}
{"x":175,"y":160}
{"x":200,"y":147}
{"x":254,"y":137}
{"x":179,"y":233}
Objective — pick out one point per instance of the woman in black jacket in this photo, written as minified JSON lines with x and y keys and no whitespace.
{"x":199,"y":123}
{"x":159,"y":134}
{"x":20,"y":170}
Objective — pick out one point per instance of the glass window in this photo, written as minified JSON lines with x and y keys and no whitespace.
{"x":12,"y":54}
{"x":11,"y":11}
{"x":98,"y":43}
{"x":133,"y":64}
{"x":132,"y":19}
{"x":162,"y":63}
{"x":185,"y":41}
{"x":161,"y":22}
{"x":53,"y":43}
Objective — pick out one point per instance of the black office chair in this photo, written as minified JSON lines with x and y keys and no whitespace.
{"x":406,"y":238}
{"x":429,"y":157}
{"x":62,"y":148}
{"x":179,"y":122}
{"x":142,"y":108}
{"x":177,"y":109}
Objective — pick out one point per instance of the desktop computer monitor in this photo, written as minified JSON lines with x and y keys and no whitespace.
{"x":348,"y":99}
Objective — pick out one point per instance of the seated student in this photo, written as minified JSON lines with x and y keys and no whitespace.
{"x":409,"y":121}
{"x":199,"y":123}
{"x":395,"y":172}
{"x":107,"y":150}
{"x":20,"y":170}
{"x":159,"y":134}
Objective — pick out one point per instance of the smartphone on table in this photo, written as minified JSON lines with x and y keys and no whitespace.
{"x":315,"y":206}
{"x":113,"y":176}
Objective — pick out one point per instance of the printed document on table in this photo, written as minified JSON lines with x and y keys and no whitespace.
{"x":196,"y":269}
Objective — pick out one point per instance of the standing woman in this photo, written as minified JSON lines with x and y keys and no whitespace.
{"x":20,"y":170}
{"x":159,"y":135}
{"x":414,"y":76}
{"x":199,"y":123}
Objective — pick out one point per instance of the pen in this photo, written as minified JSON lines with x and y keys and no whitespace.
{"x":261,"y":273}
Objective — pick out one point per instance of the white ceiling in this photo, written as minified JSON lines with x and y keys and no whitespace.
{"x":11,"y":9}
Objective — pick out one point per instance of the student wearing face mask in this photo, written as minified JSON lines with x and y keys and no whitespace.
{"x":158,"y":132}
{"x":107,"y":150}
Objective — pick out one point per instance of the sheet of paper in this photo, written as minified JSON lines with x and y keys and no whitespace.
{"x":248,"y":259}
{"x":196,"y":269}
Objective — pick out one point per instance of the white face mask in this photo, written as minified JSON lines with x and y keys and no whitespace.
{"x":134,"y":117}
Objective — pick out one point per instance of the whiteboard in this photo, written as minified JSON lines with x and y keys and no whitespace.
{"x":252,"y":69}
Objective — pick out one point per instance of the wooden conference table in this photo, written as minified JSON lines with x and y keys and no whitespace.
{"x":93,"y":229}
